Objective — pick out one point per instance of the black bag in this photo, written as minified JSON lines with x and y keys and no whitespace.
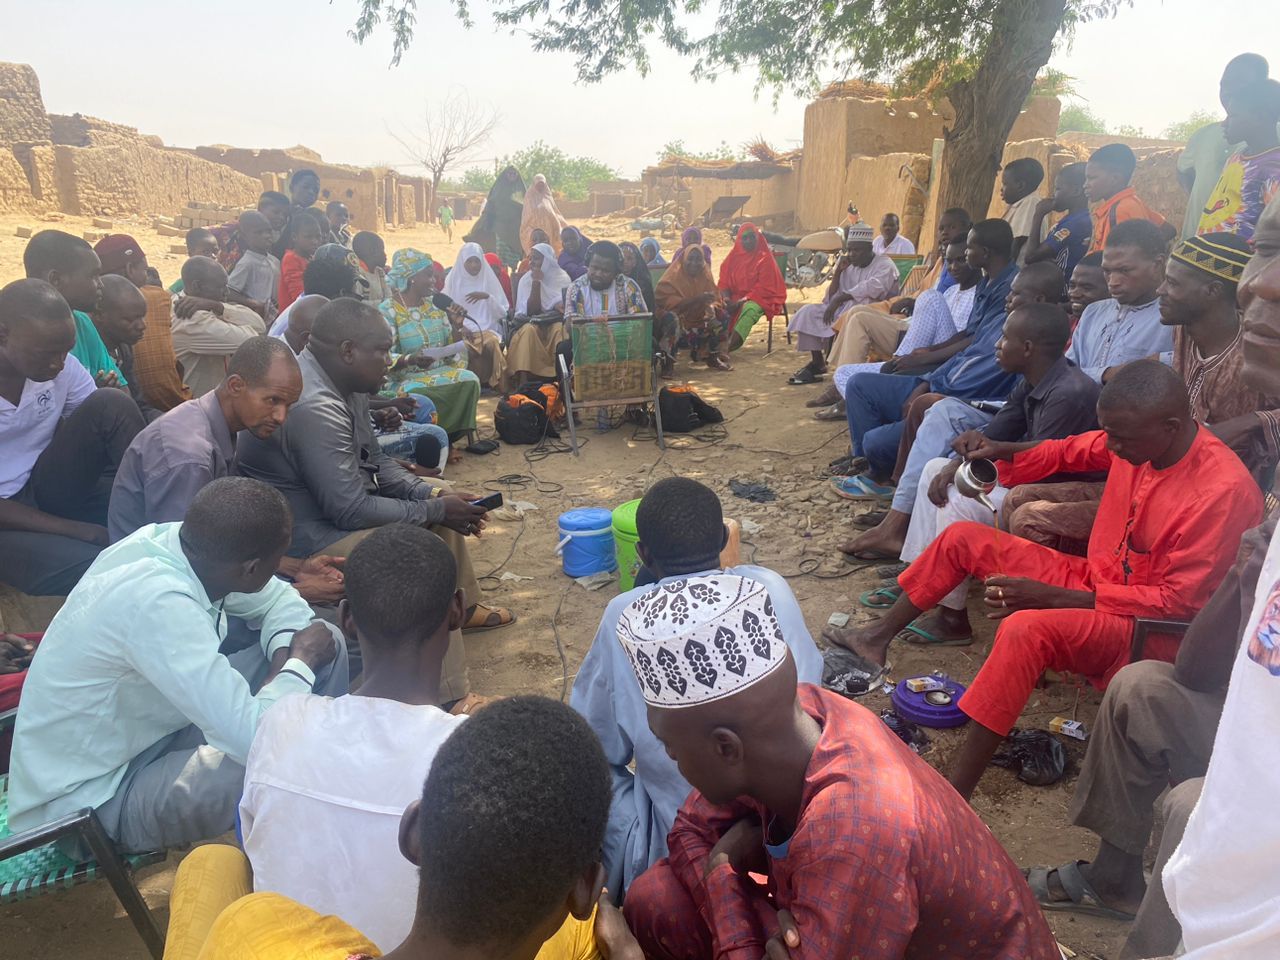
{"x":521,"y":416}
{"x":683,"y":411}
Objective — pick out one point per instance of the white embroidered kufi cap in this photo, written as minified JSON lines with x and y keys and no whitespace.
{"x":700,"y":639}
{"x":860,"y":233}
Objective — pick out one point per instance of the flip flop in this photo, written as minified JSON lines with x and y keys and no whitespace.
{"x":482,"y":619}
{"x":861,"y":487}
{"x":821,"y":400}
{"x":804,"y":376}
{"x":1084,"y":899}
{"x":482,"y":446}
{"x":832,"y":412}
{"x":881,"y":598}
{"x":923,"y":638}
{"x":869,"y":556}
{"x":871,"y":518}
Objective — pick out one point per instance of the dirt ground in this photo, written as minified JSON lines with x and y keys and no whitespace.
{"x":769,"y":436}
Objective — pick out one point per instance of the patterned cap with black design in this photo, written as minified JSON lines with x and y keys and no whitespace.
{"x":1223,"y":255}
{"x":860,"y":233}
{"x":701,"y":639}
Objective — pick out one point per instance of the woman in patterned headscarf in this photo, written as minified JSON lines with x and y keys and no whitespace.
{"x":417,"y":324}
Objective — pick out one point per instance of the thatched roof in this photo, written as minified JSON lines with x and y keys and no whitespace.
{"x":860,"y":89}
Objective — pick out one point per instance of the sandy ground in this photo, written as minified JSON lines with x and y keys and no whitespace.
{"x":769,"y":436}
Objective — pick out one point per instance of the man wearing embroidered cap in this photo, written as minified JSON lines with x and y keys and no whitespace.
{"x":861,"y":276}
{"x":1198,"y":299}
{"x":868,"y":851}
{"x":682,"y":533}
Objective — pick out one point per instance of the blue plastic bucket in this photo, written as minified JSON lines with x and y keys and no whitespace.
{"x":586,"y":541}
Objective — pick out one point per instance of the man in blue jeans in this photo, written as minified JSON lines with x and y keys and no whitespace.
{"x":876,"y":403}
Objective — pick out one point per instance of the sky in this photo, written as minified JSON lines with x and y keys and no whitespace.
{"x":275,"y":73}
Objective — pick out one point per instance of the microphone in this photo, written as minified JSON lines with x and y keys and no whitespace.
{"x":442,"y":301}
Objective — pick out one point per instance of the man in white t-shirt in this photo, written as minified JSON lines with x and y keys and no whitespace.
{"x":890,"y":240}
{"x":61,"y":439}
{"x":348,"y":767}
{"x":1223,"y":882}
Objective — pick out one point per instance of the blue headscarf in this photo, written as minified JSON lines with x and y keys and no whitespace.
{"x":407,"y":264}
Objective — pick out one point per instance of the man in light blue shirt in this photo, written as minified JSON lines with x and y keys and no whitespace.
{"x":1127,"y":327}
{"x":682,"y":532}
{"x":130,"y":707}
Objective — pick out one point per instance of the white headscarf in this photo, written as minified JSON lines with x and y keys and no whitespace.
{"x":554,"y":282}
{"x":488,"y":313}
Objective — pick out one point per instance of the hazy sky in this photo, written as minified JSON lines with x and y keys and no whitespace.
{"x":273,"y":73}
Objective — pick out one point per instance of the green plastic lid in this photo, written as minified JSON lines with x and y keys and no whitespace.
{"x":624,"y":517}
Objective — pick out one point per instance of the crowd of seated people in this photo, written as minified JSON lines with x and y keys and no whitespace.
{"x":267,"y":587}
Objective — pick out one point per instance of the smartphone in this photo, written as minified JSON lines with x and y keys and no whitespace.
{"x":491,"y":502}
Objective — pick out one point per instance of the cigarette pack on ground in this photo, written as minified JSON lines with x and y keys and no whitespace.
{"x":1068,"y":728}
{"x":924,"y":684}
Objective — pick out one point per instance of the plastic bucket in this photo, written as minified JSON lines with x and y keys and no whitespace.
{"x":625,"y":539}
{"x":586,"y":541}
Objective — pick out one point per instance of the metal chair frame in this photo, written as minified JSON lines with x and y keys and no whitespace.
{"x":566,"y":379}
{"x":86,"y":826}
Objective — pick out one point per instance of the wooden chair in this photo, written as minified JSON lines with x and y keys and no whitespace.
{"x":1143,"y":626}
{"x":613,"y":365}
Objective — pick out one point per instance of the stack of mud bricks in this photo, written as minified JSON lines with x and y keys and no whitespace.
{"x":197,"y":214}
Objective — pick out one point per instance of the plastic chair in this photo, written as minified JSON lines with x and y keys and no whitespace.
{"x":613,"y":364}
{"x":31,"y":865}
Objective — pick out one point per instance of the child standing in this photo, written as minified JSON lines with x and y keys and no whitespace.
{"x":307,"y":237}
{"x":1106,"y":183}
{"x":256,"y":277}
{"x":1251,"y":177}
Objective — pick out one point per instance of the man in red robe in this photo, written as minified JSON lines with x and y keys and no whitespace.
{"x":1176,"y":503}
{"x":866,"y":849}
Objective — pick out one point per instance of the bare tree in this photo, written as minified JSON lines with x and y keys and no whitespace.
{"x":451,"y":133}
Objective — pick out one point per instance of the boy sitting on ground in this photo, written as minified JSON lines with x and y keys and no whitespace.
{"x":353,"y":797}
{"x":682,"y":532}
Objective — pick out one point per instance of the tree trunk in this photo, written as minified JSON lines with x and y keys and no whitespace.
{"x":987,"y":105}
{"x":431,"y":198}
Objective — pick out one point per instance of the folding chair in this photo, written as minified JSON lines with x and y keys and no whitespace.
{"x":613,"y":364}
{"x":31,"y":865}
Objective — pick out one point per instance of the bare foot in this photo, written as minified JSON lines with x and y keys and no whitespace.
{"x":866,"y":641}
{"x":942,"y":626}
{"x":873,"y":544}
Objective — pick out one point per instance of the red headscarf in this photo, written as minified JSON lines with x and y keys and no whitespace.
{"x":494,"y":261}
{"x":753,"y":275}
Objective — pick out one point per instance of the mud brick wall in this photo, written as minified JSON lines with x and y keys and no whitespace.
{"x":877,"y":186}
{"x":15,"y":188}
{"x":837,"y":129}
{"x":22,"y":116}
{"x":139,"y":178}
{"x":78,"y":130}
